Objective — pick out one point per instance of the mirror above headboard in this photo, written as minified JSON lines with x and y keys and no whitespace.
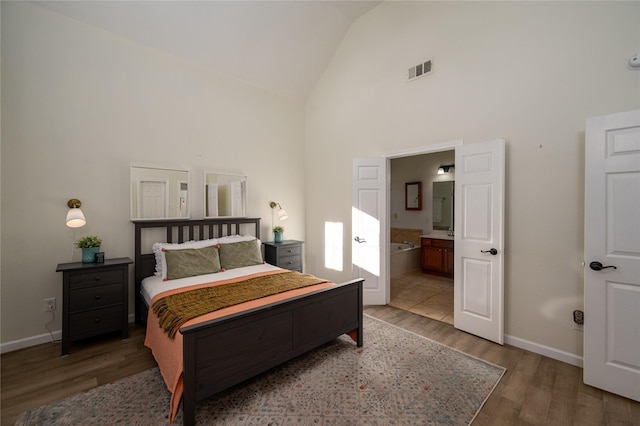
{"x":225,"y":194}
{"x":158,"y":193}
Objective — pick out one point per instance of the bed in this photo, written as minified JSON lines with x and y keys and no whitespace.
{"x":221,"y":352}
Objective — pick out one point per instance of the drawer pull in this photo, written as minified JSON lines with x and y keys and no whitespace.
{"x":97,"y":297}
{"x":98,"y":278}
{"x":290,"y":262}
{"x":97,"y":320}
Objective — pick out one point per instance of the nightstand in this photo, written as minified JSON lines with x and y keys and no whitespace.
{"x":94,"y":299}
{"x":287,"y":254}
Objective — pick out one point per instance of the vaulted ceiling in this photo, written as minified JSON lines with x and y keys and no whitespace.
{"x":281,"y":46}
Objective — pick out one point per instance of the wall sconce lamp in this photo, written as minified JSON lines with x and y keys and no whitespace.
{"x":449,"y":168}
{"x":282,"y":214}
{"x":75,"y":217}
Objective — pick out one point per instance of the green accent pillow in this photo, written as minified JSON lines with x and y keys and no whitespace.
{"x":191,"y":262}
{"x":242,"y":253}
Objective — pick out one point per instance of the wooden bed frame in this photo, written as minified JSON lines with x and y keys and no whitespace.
{"x":220,"y":353}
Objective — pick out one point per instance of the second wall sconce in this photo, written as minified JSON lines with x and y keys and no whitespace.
{"x":282,"y":214}
{"x":75,"y":217}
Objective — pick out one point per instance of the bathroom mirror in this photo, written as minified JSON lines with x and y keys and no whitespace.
{"x":413,"y":195}
{"x":225,"y":194}
{"x":442,"y":207}
{"x":158,"y":193}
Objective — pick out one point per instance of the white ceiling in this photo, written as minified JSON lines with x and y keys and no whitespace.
{"x":281,"y":46}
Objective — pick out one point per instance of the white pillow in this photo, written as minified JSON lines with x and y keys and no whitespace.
{"x":235,"y":239}
{"x":158,"y":251}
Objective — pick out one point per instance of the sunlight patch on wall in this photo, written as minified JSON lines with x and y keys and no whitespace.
{"x":333,"y":247}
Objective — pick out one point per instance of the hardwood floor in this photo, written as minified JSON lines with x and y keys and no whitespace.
{"x":39,"y":375}
{"x":535,"y":390}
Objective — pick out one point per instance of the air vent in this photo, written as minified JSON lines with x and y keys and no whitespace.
{"x":421,"y":70}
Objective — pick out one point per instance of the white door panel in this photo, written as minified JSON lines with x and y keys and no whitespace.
{"x":367,"y":218}
{"x":477,"y":226}
{"x":479,"y":240}
{"x":477,"y":298}
{"x":366,"y":238}
{"x":612,"y":238}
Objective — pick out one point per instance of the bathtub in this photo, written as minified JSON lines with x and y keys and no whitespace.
{"x":404,"y":259}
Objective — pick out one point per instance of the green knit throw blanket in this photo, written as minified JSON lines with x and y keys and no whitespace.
{"x":176,"y":309}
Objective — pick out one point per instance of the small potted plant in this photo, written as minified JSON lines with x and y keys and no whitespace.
{"x":90,"y":245}
{"x":277,"y":233}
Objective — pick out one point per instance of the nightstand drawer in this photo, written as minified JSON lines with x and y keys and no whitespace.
{"x":287,"y":252}
{"x":95,"y":297}
{"x":93,"y":323}
{"x":96,"y":277}
{"x":290,"y":262}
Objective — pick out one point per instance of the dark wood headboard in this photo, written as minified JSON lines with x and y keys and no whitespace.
{"x":180,"y":231}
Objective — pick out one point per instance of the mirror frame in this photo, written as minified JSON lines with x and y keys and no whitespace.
{"x":245,"y":191}
{"x":171,"y":190}
{"x":416,"y":203}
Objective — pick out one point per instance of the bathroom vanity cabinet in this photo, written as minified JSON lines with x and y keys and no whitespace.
{"x":437,"y":256}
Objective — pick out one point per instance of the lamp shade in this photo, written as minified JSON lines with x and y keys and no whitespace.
{"x":282,"y":214}
{"x":75,"y":218}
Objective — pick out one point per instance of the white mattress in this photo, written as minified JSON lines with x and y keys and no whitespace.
{"x":151,"y":286}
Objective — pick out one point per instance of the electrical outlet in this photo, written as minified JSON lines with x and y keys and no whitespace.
{"x":50,"y":304}
{"x":578,"y":320}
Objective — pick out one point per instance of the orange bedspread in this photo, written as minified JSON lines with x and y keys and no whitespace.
{"x":168,"y":352}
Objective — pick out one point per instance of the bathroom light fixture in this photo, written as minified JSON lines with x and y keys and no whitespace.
{"x":449,"y":168}
{"x":75,"y":217}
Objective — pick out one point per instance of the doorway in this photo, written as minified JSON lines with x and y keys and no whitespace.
{"x":411,"y":289}
{"x":478,"y":245}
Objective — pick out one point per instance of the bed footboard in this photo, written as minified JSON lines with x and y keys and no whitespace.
{"x":224,"y":352}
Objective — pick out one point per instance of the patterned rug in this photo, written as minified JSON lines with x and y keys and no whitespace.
{"x":396,"y":378}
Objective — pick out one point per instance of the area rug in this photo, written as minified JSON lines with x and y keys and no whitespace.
{"x":396,"y":378}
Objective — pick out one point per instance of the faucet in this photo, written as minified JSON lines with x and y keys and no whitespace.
{"x":410,"y":243}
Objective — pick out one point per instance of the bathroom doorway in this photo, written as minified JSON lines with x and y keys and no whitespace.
{"x":412,"y":289}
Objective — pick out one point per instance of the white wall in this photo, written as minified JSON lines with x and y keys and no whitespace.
{"x":528,"y":72}
{"x":79,"y":106}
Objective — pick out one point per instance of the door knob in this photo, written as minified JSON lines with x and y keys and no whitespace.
{"x":492,"y":251}
{"x":360,"y":240}
{"x":597,"y":266}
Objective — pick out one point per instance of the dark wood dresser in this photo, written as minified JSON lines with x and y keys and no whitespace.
{"x":94,"y":299}
{"x":287,"y":254}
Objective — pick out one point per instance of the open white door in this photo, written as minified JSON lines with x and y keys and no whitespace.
{"x":612,"y":254}
{"x":479,"y":240}
{"x":367,"y":234}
